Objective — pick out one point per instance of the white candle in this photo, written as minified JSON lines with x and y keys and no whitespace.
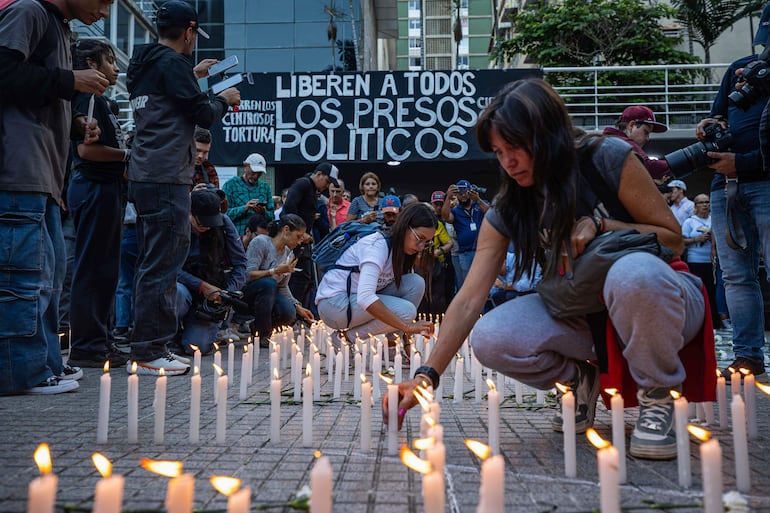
{"x":459,"y":380}
{"x":105,"y":387}
{"x":722,"y":401}
{"x":274,"y":363}
{"x":195,"y":405}
{"x":711,"y":469}
{"x":160,"y":407}
{"x":619,"y":433}
{"x":230,"y":360}
{"x":108,"y":495}
{"x":221,"y":407}
{"x":196,"y":356}
{"x":42,"y":490}
{"x":275,"y":408}
{"x":180,"y":493}
{"x":330,"y":359}
{"x":321,"y":485}
{"x":397,"y":363}
{"x":682,"y":439}
{"x":218,"y":363}
{"x":568,"y":429}
{"x":519,"y":391}
{"x":500,"y":385}
{"x":751,"y":407}
{"x":492,"y":489}
{"x":608,"y":479}
{"x":346,"y":358}
{"x":357,"y":372}
{"x":477,"y":381}
{"x":493,"y":409}
{"x":244,"y":383}
{"x":255,"y":353}
{"x":307,"y":408}
{"x":392,"y":418}
{"x":132,"y":433}
{"x":338,"y":375}
{"x":366,"y":414}
{"x":240,"y":501}
{"x":740,"y":443}
{"x":735,"y":383}
{"x":298,"y":377}
{"x":316,"y":376}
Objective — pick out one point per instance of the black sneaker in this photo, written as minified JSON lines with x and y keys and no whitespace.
{"x":54,"y":385}
{"x":756,"y":367}
{"x":654,"y":436}
{"x":69,"y":372}
{"x":585,"y":386}
{"x":117,"y":359}
{"x":120,"y":333}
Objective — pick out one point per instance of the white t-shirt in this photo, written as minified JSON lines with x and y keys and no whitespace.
{"x":700,"y":252}
{"x":684,"y":210}
{"x":372,"y":255}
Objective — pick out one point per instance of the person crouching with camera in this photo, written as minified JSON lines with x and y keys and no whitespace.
{"x":212,"y":275}
{"x":271,"y":261}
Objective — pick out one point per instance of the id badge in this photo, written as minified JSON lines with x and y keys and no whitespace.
{"x":473,"y":227}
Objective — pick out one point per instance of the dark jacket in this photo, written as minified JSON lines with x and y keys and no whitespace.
{"x":658,"y":168}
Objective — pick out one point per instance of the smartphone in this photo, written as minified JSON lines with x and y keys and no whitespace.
{"x":222,"y":66}
{"x":227,"y":83}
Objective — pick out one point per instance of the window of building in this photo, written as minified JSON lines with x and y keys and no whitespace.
{"x":463,"y":62}
{"x":123,"y":22}
{"x":415,"y":24}
{"x":414,"y":5}
{"x":415,"y":62}
{"x":415,"y":42}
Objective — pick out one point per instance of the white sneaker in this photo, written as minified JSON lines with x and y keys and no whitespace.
{"x":54,"y":385}
{"x":170,"y":365}
{"x":180,"y":358}
{"x":71,"y":372}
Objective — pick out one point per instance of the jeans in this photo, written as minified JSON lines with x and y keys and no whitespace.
{"x":124,"y":297}
{"x":163,"y":237}
{"x":464,"y":260}
{"x":68,"y":229}
{"x":95,"y":209}
{"x":196,"y":331}
{"x":402,"y":301}
{"x":740,"y":269}
{"x":270,"y":308}
{"x":32,"y":267}
{"x":722,"y":309}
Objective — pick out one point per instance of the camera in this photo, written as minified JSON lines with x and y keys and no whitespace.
{"x":691,"y":158}
{"x":756,"y":83}
{"x":210,"y":311}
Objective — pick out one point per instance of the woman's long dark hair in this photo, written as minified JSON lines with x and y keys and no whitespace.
{"x":93,"y":49}
{"x":530,"y":115}
{"x":416,"y":215}
{"x":293,"y":221}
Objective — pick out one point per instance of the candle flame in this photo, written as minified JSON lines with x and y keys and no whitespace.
{"x":459,"y":356}
{"x":102,"y":464}
{"x":422,"y":444}
{"x":42,"y":457}
{"x":596,"y":440}
{"x":133,"y":368}
{"x":424,"y":404}
{"x":194,"y":347}
{"x":425,"y":392}
{"x":162,"y":467}
{"x":317,"y":454}
{"x":719,"y":373}
{"x":561,"y":388}
{"x":107,"y":366}
{"x":275,"y":374}
{"x":429,"y":420}
{"x":386,"y":379}
{"x":161,"y":372}
{"x":611,"y":391}
{"x":491,"y":384}
{"x":216,"y":346}
{"x":761,"y":386}
{"x":675,"y":394}
{"x":698,"y":432}
{"x":225,"y":485}
{"x":363,"y":377}
{"x":219,"y":370}
{"x":414,"y":462}
{"x":308,"y":369}
{"x":245,"y":349}
{"x":481,"y":450}
{"x":744,"y":371}
{"x":196,"y":370}
{"x":732,"y":370}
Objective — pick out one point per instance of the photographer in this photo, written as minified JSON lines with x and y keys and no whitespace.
{"x":466,"y":218}
{"x":634,"y":126}
{"x":215,"y":263}
{"x":749,"y":187}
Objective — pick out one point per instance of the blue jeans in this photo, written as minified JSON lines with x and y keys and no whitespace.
{"x":163,"y":236}
{"x":740,"y":269}
{"x":465,"y":260}
{"x":124,"y":297}
{"x":196,"y":331}
{"x":68,"y":229}
{"x":270,"y":309}
{"x":32,"y":267}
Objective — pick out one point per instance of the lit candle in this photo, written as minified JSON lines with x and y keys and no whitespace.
{"x":105,"y":387}
{"x":181,"y":487}
{"x":132,"y":433}
{"x":321,"y":484}
{"x":711,"y":470}
{"x":196,"y":355}
{"x":108,"y":496}
{"x":740,"y":444}
{"x":221,"y":405}
{"x":238,"y":501}
{"x":607,"y":458}
{"x":392,"y":415}
{"x":500,"y":385}
{"x":275,"y":408}
{"x":338,"y":375}
{"x":682,"y":440}
{"x":244,"y":383}
{"x":366,"y":414}
{"x":307,"y":408}
{"x":722,"y":400}
{"x":459,"y":379}
{"x":492,"y":488}
{"x":478,"y":380}
{"x":195,"y":405}
{"x":751,"y":407}
{"x":255,"y":353}
{"x":397,"y":365}
{"x":346,"y":359}
{"x":230,"y":360}
{"x":218,"y":363}
{"x":735,"y":381}
{"x":568,"y":430}
{"x":42,"y":490}
{"x":159,"y":406}
{"x":618,"y":431}
{"x":433,"y":494}
{"x":493,"y":409}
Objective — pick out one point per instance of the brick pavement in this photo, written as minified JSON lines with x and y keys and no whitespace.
{"x":363,"y":482}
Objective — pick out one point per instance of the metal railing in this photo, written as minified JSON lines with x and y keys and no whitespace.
{"x":594,"y":105}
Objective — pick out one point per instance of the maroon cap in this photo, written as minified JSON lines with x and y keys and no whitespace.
{"x":642,"y":114}
{"x":437,"y":196}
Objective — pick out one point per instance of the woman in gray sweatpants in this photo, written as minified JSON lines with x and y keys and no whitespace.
{"x":558,"y":192}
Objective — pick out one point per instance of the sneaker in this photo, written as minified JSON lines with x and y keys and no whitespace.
{"x":227,"y":335}
{"x":117,"y":359}
{"x":756,"y":367}
{"x":170,"y":365}
{"x":70,"y":372}
{"x":585,"y":386}
{"x":54,"y":385}
{"x":180,"y":358}
{"x":120,"y":333}
{"x":654,"y":436}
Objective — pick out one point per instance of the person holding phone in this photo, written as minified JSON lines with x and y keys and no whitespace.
{"x":248,"y":195}
{"x":466,"y":218}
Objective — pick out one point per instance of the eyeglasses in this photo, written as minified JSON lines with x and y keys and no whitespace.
{"x":421,"y":243}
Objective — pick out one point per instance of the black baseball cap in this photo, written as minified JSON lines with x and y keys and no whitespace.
{"x":204,"y":204}
{"x":329,"y":170}
{"x":176,"y":13}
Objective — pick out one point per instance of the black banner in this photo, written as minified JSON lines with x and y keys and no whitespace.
{"x":406,"y":116}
